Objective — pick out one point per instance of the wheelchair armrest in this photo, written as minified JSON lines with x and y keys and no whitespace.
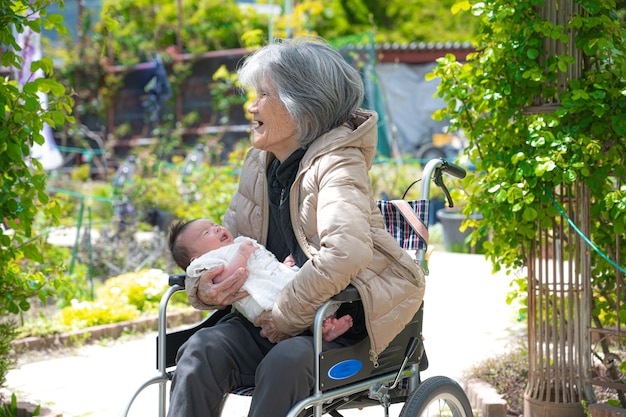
{"x":348,"y":295}
{"x":177,"y":279}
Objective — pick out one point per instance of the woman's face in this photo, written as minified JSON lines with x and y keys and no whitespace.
{"x":275,"y":130}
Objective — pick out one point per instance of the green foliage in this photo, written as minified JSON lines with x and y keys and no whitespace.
{"x":11,"y":409}
{"x":22,"y":180}
{"x":143,"y":289}
{"x":7,"y":333}
{"x":75,"y":284}
{"x":143,"y":27}
{"x":520,"y":155}
{"x":120,"y":298}
{"x":83,"y":314}
{"x":523,"y":155}
{"x":389,"y":21}
{"x":205,"y":192}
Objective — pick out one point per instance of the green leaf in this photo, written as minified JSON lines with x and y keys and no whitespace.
{"x":529,"y":214}
{"x":32,"y":252}
{"x":529,"y":198}
{"x":14,"y":152}
{"x":569,"y":176}
{"x":517,"y":157}
{"x":30,"y":88}
{"x":500,"y":196}
{"x":55,"y":18}
{"x":532,"y":53}
{"x":42,"y":196}
{"x":537,"y":142}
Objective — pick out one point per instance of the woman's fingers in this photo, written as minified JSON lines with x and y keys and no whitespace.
{"x":229,"y":290}
{"x":268,"y":330}
{"x":224,"y":293}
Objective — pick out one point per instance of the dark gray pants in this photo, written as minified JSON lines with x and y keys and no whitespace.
{"x":216,"y":360}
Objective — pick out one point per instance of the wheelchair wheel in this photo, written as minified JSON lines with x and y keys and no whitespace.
{"x":437,"y":396}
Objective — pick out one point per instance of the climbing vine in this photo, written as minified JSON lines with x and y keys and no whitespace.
{"x":22,"y":179}
{"x":519,"y":154}
{"x":523,"y":150}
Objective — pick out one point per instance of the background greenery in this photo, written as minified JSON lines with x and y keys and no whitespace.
{"x":524,"y":156}
{"x":583,"y":140}
{"x":23,"y":181}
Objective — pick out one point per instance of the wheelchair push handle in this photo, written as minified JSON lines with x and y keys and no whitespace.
{"x":453,"y":170}
{"x":435,"y":168}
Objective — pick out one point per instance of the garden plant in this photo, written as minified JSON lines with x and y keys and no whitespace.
{"x":522,"y":155}
{"x":24,"y":200}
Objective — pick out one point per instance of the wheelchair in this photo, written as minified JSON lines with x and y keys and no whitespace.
{"x":345,"y":377}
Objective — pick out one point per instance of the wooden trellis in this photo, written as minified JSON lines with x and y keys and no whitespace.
{"x":570,"y":354}
{"x":560,"y":12}
{"x":559,"y":310}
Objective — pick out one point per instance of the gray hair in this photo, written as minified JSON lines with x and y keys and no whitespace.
{"x":314,"y":82}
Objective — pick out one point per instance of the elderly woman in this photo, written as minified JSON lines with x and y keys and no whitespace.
{"x":304,"y":192}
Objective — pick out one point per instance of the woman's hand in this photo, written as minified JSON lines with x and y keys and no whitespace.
{"x":268,"y":330}
{"x":225,"y":292}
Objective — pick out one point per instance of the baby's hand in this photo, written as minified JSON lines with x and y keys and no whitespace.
{"x":247,"y":248}
{"x":290,"y":261}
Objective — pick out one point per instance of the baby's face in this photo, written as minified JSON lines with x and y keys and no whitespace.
{"x":202,"y":236}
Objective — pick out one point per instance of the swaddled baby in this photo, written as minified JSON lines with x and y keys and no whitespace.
{"x":201,"y":245}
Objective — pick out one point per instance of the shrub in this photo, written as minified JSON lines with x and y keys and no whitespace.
{"x":83,"y":314}
{"x":23,"y":179}
{"x":120,"y":298}
{"x":8,"y":331}
{"x":143,"y":289}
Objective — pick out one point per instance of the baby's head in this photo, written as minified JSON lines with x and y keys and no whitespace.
{"x":189,"y":240}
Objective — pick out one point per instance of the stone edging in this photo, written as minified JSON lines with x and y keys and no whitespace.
{"x":486,"y":402}
{"x":113,"y":330}
{"x":484,"y":398}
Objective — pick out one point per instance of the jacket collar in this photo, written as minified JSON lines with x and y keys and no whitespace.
{"x":360,"y":132}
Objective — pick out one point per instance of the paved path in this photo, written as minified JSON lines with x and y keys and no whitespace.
{"x":466,"y":320}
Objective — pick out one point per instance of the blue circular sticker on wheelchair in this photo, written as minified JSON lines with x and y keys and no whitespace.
{"x":345,"y":369}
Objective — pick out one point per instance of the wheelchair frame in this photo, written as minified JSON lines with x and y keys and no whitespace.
{"x":397,"y":383}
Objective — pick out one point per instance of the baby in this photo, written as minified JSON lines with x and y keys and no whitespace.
{"x":200,"y":245}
